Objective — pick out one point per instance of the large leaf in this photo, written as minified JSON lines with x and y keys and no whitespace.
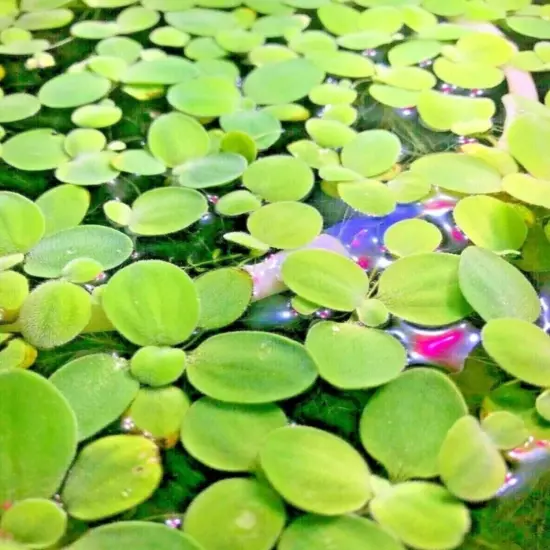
{"x":152,"y":303}
{"x":38,"y":442}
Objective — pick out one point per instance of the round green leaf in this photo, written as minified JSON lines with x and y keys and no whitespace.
{"x":261,"y":126}
{"x":169,"y":37}
{"x":282,"y":82}
{"x":34,"y":522}
{"x":159,"y":411}
{"x":212,"y":432}
{"x":152,"y":303}
{"x":238,"y":202}
{"x":463,"y":173}
{"x":38,"y":442}
{"x":84,"y":140}
{"x":14,"y":107}
{"x":240,"y":143}
{"x":139,"y":162}
{"x":470,"y":465}
{"x":423,"y":515}
{"x":368,"y":196}
{"x":495,"y":288}
{"x":530,"y":361}
{"x":412,"y":52}
{"x":205,"y":96}
{"x":136,"y":19}
{"x":204,"y":48}
{"x":542,"y":406}
{"x":201,"y":21}
{"x":163,"y":70}
{"x":138,"y":535}
{"x":46,"y":146}
{"x":218,"y":307}
{"x":506,"y":430}
{"x":55,"y":313}
{"x":248,"y":515}
{"x":14,"y":289}
{"x":534,"y":27}
{"x":111,"y":475}
{"x":285,"y":224}
{"x":120,"y":46}
{"x":405,"y":422}
{"x":166,"y":210}
{"x":371,"y":152}
{"x":349,"y":532}
{"x":527,"y":189}
{"x":353,"y":357}
{"x":344,"y":64}
{"x":315,"y":470}
{"x":211,"y":171}
{"x":413,"y":236}
{"x":99,"y":115}
{"x":157,"y":366}
{"x":468,"y":75}
{"x":279,"y":178}
{"x":95,"y":30}
{"x":251,"y":367}
{"x":164,"y":139}
{"x":325,"y":278}
{"x":22,"y":223}
{"x":424,"y":289}
{"x":491,"y":223}
{"x":372,"y":313}
{"x":81,"y":270}
{"x":63,"y":207}
{"x":105,"y":245}
{"x":98,"y":388}
{"x":73,"y":89}
{"x":88,"y":169}
{"x":394,"y":97}
{"x":329,"y":133}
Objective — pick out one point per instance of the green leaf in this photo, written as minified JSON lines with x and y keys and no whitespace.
{"x":283,"y":81}
{"x":530,"y":361}
{"x":211,"y":171}
{"x":325,"y":278}
{"x":371,"y":152}
{"x":163,"y":70}
{"x":107,"y":246}
{"x":14,"y":289}
{"x":34,"y":522}
{"x":205,"y":96}
{"x":98,"y":388}
{"x":261,"y":126}
{"x":527,"y":189}
{"x":201,"y":21}
{"x":315,"y":470}
{"x":470,"y":465}
{"x":136,"y":19}
{"x":534,"y":27}
{"x":241,"y":144}
{"x":218,"y":307}
{"x":344,"y":64}
{"x":157,"y":366}
{"x":138,"y":535}
{"x":55,"y":313}
{"x":63,"y":207}
{"x":84,"y":140}
{"x":111,"y":475}
{"x":368,"y":196}
{"x":353,"y":357}
{"x":73,"y":89}
{"x":405,"y":422}
{"x":469,"y":74}
{"x":99,"y":115}
{"x":22,"y":223}
{"x":412,"y":52}
{"x":329,"y":133}
{"x":165,"y":143}
{"x":38,"y":442}
{"x":238,"y":202}
{"x":373,"y":313}
{"x":159,"y":411}
{"x":14,"y":107}
{"x":46,"y":146}
{"x":494,"y":288}
{"x":412,"y":236}
{"x":139,"y":162}
{"x":152,"y":303}
{"x":120,"y":46}
{"x":88,"y":169}
{"x":424,"y":289}
{"x":349,"y":532}
{"x":251,"y":367}
{"x":248,"y":514}
{"x":279,"y":178}
{"x":491,"y":223}
{"x":506,"y":430}
{"x":225,"y":448}
{"x":166,"y":210}
{"x":463,"y":173}
{"x":94,"y":30}
{"x":339,"y":19}
{"x":543,"y":409}
{"x":285,"y":224}
{"x":169,"y":37}
{"x":423,"y":515}
{"x":409,"y":187}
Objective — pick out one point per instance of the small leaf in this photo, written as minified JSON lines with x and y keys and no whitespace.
{"x":73,"y":89}
{"x":469,"y":464}
{"x":38,"y":442}
{"x":494,"y":288}
{"x":98,"y":388}
{"x":157,"y":366}
{"x":138,"y":161}
{"x":325,"y":278}
{"x":527,"y":189}
{"x":542,"y":405}
{"x":405,"y":422}
{"x":14,"y":107}
{"x":352,"y":357}
{"x":55,"y":313}
{"x":152,"y":303}
{"x":111,"y":475}
{"x":530,"y":361}
{"x":373,"y":313}
{"x":315,"y":470}
{"x":505,"y":429}
{"x":88,"y":169}
{"x":251,"y":367}
{"x":163,"y":70}
{"x":248,"y":514}
{"x":224,"y":448}
{"x":237,"y":203}
{"x":211,"y":171}
{"x":413,"y":236}
{"x":82,"y":270}
{"x":117,"y":212}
